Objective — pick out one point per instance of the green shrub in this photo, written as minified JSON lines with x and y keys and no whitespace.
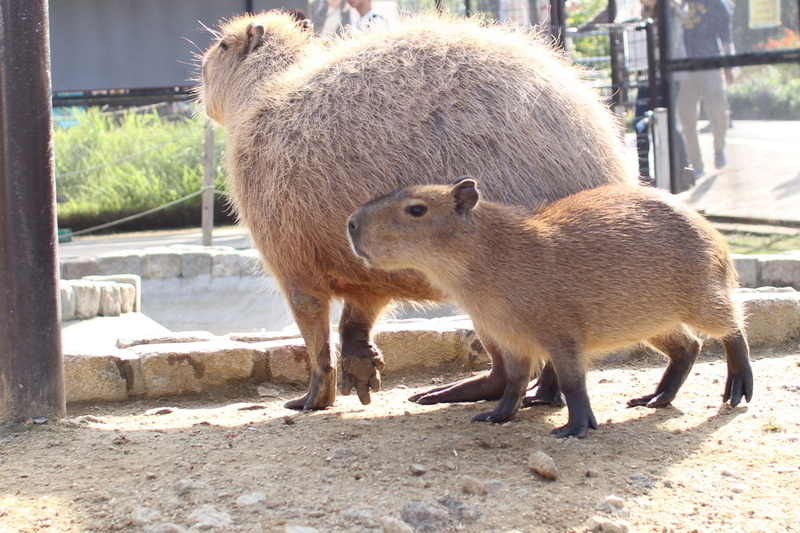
{"x":769,"y":93}
{"x":113,"y":165}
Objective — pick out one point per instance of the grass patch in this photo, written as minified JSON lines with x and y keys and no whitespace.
{"x":756,"y":243}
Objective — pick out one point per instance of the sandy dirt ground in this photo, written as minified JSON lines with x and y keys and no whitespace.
{"x":245,"y":464}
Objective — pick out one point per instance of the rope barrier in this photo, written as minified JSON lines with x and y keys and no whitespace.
{"x":149,"y":211}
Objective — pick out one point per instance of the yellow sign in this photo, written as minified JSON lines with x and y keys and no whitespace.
{"x":765,"y":13}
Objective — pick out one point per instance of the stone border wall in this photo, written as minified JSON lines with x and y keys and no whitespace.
{"x":775,"y":270}
{"x":199,"y":362}
{"x":166,"y":262}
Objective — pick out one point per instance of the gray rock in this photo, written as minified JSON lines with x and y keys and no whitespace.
{"x":643,"y":480}
{"x":494,"y":486}
{"x":187,"y":486}
{"x":361,"y":517}
{"x":252,"y":501}
{"x":142,"y":516}
{"x":424,"y":517}
{"x":459,"y":510}
{"x":208,"y":517}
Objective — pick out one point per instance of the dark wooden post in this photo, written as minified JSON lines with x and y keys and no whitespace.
{"x":31,"y":366}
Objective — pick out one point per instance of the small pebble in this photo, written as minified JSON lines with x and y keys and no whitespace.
{"x":738,"y":488}
{"x":288,"y":420}
{"x":610,"y":504}
{"x":417,"y":469}
{"x":598,"y":524}
{"x":470,"y":485}
{"x":543,"y":464}
{"x":160,"y":411}
{"x":494,"y":486}
{"x":393,"y":525}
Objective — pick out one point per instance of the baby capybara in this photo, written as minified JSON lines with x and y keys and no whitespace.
{"x":316,"y":128}
{"x":598,"y":270}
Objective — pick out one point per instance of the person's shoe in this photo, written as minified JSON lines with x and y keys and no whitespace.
{"x":719,"y":159}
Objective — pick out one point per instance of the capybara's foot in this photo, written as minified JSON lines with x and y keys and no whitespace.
{"x":549,"y":400}
{"x":492,"y":416}
{"x":655,"y":400}
{"x":363,"y":374}
{"x":740,"y":374}
{"x":547,"y":390}
{"x":487,"y":387}
{"x":576,"y":428}
{"x":321,"y":393}
{"x":738,"y":386}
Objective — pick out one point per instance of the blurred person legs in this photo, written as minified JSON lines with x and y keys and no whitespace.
{"x":709,"y":87}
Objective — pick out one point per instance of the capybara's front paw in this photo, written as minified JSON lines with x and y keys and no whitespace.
{"x":553,"y":400}
{"x":738,"y":386}
{"x":654,"y":400}
{"x":578,"y":425}
{"x":492,"y":416}
{"x":362,"y":374}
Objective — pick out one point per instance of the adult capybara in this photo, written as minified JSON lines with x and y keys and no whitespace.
{"x":316,"y":128}
{"x":598,"y":270}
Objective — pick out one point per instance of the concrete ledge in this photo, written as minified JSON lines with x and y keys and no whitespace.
{"x":167,"y":262}
{"x":99,"y":296}
{"x":151,"y":361}
{"x":773,"y":270}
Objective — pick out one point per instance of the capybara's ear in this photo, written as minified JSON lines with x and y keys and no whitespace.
{"x":255,"y":34}
{"x":465,"y":193}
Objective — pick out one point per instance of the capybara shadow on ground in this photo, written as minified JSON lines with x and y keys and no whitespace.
{"x":593,"y":272}
{"x":316,"y":128}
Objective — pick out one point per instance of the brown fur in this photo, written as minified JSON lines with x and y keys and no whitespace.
{"x":596,"y":271}
{"x":316,"y":128}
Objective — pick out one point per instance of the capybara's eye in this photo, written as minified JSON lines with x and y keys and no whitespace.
{"x":223,"y":46}
{"x":416,"y":210}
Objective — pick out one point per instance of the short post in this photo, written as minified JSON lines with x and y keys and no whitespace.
{"x":31,"y":365}
{"x":660,"y":129}
{"x":208,"y":186}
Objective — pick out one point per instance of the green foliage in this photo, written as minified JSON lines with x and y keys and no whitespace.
{"x":111,"y":165}
{"x":771,"y":92}
{"x":760,"y":243}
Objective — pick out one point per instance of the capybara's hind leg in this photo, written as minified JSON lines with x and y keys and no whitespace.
{"x":740,"y":375}
{"x":518,"y":373}
{"x":682,"y":348}
{"x":311,"y":315}
{"x":571,"y":375}
{"x":362,"y":362}
{"x":547,"y":391}
{"x":488,"y":386}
